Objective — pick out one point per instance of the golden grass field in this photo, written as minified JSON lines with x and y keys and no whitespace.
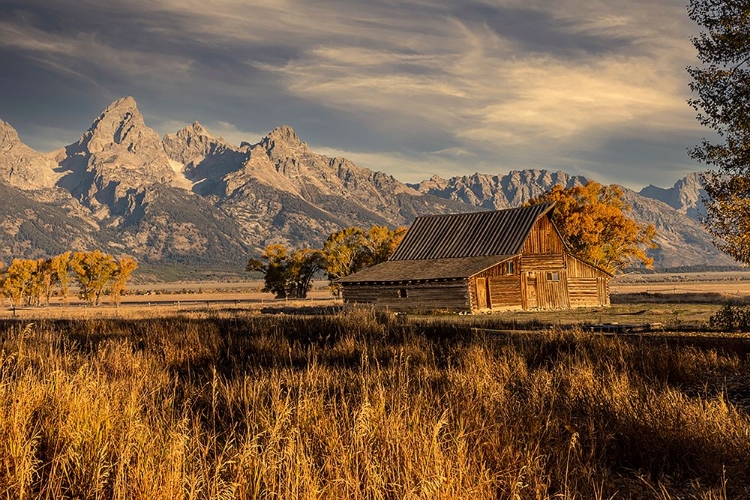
{"x":264,"y":399}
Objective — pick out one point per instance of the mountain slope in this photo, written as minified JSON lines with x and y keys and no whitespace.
{"x":686,"y":196}
{"x":21,"y":166}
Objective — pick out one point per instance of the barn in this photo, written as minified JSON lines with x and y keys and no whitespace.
{"x":511,"y":259}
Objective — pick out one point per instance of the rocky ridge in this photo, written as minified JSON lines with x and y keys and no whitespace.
{"x":192,"y":198}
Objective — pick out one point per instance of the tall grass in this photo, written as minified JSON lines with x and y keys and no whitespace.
{"x":360,"y":406}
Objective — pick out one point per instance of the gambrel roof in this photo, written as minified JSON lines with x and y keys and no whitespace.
{"x":455,"y":246}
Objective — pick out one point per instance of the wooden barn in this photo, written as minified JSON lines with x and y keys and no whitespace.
{"x":502,"y":260}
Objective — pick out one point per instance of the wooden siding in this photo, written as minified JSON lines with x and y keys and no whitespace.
{"x":546,"y":262}
{"x":505,"y":292}
{"x":588,"y":286}
{"x":502,"y":290}
{"x":437,"y":295}
{"x":543,"y":239}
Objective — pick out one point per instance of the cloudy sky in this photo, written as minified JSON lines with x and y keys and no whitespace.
{"x":412,"y":88}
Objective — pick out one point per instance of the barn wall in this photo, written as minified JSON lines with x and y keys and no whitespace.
{"x":502,"y":289}
{"x":429,"y":296}
{"x":588,"y":286}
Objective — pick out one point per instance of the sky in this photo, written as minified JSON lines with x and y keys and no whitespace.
{"x":413,"y":88}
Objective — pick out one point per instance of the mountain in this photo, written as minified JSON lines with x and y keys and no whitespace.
{"x":194,"y":199}
{"x":685,"y":196}
{"x":495,"y":192}
{"x":21,"y":166}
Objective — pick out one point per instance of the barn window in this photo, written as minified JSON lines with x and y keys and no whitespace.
{"x":553,"y":276}
{"x":402,"y":293}
{"x":510,"y":268}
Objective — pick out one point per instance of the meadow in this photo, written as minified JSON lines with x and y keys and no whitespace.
{"x":356,"y":404}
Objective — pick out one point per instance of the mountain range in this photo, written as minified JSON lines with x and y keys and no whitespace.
{"x":191,"y":198}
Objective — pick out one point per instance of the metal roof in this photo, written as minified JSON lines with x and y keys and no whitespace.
{"x":454,"y":236}
{"x":412,"y":270}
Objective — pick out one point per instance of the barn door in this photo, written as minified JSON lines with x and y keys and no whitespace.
{"x":531,"y":293}
{"x":481,"y":293}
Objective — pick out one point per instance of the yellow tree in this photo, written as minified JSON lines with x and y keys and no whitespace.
{"x":93,"y":270}
{"x":594,"y":221}
{"x":302,"y":265}
{"x":353,"y":249}
{"x":125,"y":268}
{"x":380,"y":244}
{"x":21,"y":282}
{"x":60,"y":265}
{"x":343,"y":252}
{"x":287,"y":274}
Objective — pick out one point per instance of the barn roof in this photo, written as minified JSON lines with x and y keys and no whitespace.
{"x":455,"y":245}
{"x":500,"y":232}
{"x":413,"y":270}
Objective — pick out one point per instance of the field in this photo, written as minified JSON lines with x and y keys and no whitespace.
{"x":266,"y":399}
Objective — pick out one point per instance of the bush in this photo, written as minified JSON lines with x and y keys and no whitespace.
{"x":731,"y":317}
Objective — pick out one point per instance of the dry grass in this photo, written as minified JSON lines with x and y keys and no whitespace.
{"x":360,"y":406}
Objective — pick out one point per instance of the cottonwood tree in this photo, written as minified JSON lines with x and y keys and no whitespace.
{"x":94,"y":271}
{"x":21,"y":282}
{"x":593,"y":221}
{"x":287,"y":274}
{"x":721,"y":84}
{"x":353,"y":249}
{"x":54,"y":272}
{"x":125,"y":268}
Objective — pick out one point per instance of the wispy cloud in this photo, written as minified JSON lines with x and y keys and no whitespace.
{"x":508,"y":83}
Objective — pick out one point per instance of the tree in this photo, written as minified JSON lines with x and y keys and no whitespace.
{"x":353,"y":249}
{"x":21,"y":282}
{"x":593,"y":221}
{"x":125,"y":268}
{"x":287,"y":274}
{"x":93,"y":270}
{"x":343,"y":252}
{"x":722,"y":87}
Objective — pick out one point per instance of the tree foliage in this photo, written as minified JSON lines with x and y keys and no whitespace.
{"x":287,"y":273}
{"x":722,"y":87}
{"x":353,"y":249}
{"x":125,"y":268}
{"x":93,"y":270}
{"x":32,"y":282}
{"x":593,"y":221}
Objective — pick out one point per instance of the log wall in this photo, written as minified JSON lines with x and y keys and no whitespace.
{"x":588,"y":285}
{"x":419,"y":297}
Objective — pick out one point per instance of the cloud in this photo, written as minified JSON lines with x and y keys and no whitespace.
{"x":418,"y":87}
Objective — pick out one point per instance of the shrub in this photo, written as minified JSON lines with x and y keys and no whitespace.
{"x":731,"y":317}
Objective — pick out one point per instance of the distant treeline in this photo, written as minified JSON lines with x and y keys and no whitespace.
{"x":32,"y":282}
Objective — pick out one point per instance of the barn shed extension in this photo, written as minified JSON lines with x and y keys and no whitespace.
{"x":511,"y":259}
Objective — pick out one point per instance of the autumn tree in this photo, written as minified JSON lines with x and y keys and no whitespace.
{"x":287,"y":274}
{"x":593,"y":220}
{"x":722,"y":87}
{"x":125,"y":268}
{"x":21,"y":283}
{"x":353,"y":249}
{"x":53,"y":272}
{"x":94,"y":271}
